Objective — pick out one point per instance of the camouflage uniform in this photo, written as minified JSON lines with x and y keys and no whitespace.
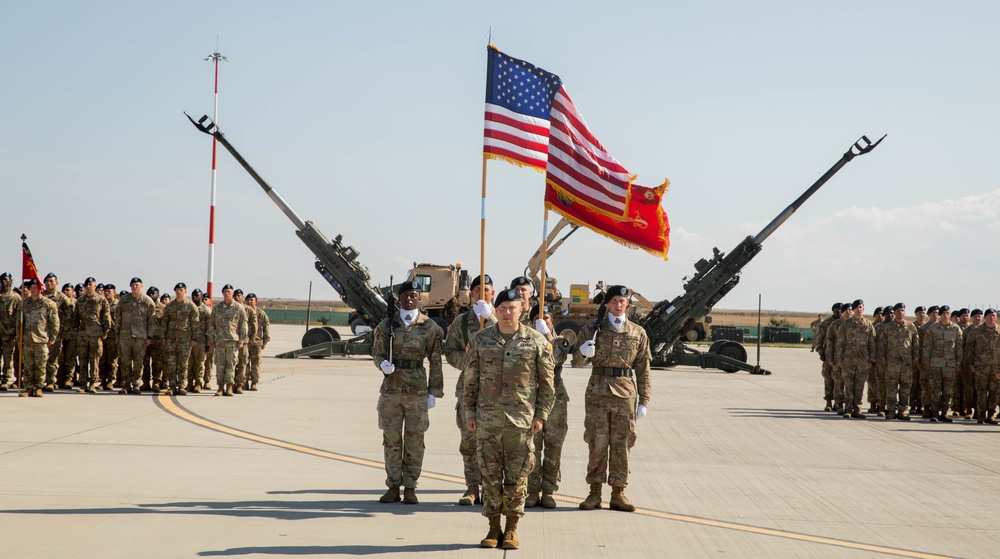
{"x":259,"y":338}
{"x":402,"y":402}
{"x":549,"y":441}
{"x":942,"y":352}
{"x":180,"y":330}
{"x":459,"y":334}
{"x":965,"y":380}
{"x":41,"y":324}
{"x":152,"y":362}
{"x":133,"y":319}
{"x":856,"y":350}
{"x":64,"y":341}
{"x":833,"y":358}
{"x":610,"y":400}
{"x":897,"y":350}
{"x":227,"y":328}
{"x":876,"y":379}
{"x":10,"y":314}
{"x":820,"y":347}
{"x":507,"y":385}
{"x":92,"y":321}
{"x":922,"y":389}
{"x":109,"y":355}
{"x":198,"y":376}
{"x":985,"y":346}
{"x":243,"y":354}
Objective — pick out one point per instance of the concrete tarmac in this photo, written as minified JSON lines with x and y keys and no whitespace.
{"x":726,"y":465}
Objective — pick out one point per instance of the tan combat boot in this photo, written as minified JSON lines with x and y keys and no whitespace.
{"x":492,"y":538}
{"x":470,"y":496}
{"x":237,"y":390}
{"x":90,"y":388}
{"x":220,"y":391}
{"x":391,"y":496}
{"x":548,"y":502}
{"x":410,"y":496}
{"x":619,"y":501}
{"x":24,"y":394}
{"x":38,"y":392}
{"x":531,"y":501}
{"x":229,"y":390}
{"x":593,"y":501}
{"x":510,"y":533}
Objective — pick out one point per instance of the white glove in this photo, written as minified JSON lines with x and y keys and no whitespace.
{"x":387,"y":367}
{"x":640,"y":412}
{"x":541,"y":326}
{"x":482,"y":309}
{"x":431,"y":401}
{"x":587,"y":348}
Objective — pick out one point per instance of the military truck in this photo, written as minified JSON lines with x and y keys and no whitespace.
{"x":444,"y":294}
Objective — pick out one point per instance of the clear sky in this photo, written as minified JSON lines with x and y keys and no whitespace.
{"x":367,"y":117}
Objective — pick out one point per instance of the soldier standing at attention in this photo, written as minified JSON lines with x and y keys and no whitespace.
{"x":180,"y":331}
{"x":65,"y":306}
{"x":874,"y":391}
{"x":243,"y":355}
{"x":986,"y":366}
{"x":68,"y":368}
{"x":967,"y":396}
{"x":856,"y":354}
{"x":93,"y":321}
{"x":134,"y":318}
{"x":618,"y":350}
{"x":820,"y":347}
{"x":259,"y":336}
{"x":407,"y":391}
{"x":508,"y":395}
{"x":227,"y":333}
{"x":41,"y":332}
{"x":10,"y":314}
{"x":898,"y":351}
{"x":109,"y":351}
{"x":459,"y":334}
{"x":151,"y":359}
{"x":942,"y":354}
{"x":198,"y":377}
{"x":815,"y":328}
{"x":833,"y":356}
{"x":924,"y":390}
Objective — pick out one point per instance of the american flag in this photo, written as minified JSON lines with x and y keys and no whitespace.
{"x":531,"y":121}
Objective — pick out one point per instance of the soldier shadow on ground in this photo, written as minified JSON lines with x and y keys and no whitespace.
{"x":788,"y":414}
{"x":337,"y":549}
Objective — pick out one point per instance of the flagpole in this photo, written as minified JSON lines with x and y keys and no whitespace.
{"x":545,"y":250}
{"x":482,"y":243}
{"x":20,"y":323}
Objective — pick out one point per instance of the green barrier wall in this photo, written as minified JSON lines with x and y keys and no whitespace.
{"x":298,"y":316}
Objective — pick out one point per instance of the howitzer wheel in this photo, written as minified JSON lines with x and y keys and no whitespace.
{"x":569,"y":331}
{"x":732,"y":350}
{"x":316,"y":336}
{"x":691,"y":335}
{"x":358,"y":323}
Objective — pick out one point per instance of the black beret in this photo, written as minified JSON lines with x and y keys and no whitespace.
{"x":79,"y":286}
{"x":477,"y":281}
{"x":845,"y":306}
{"x":944,"y":309}
{"x":977,"y":312}
{"x":197,"y":291}
{"x":963,"y":310}
{"x":836,"y":307}
{"x":989,"y":312}
{"x":50,"y":275}
{"x":30,"y":281}
{"x":110,"y":286}
{"x":100,"y":286}
{"x":228,"y":286}
{"x":932,"y":308}
{"x":135,"y":280}
{"x":898,"y":306}
{"x":534,"y":312}
{"x":506,"y":295}
{"x":180,"y":285}
{"x":519,"y":281}
{"x":251,"y":295}
{"x":123,"y":293}
{"x":238,"y":292}
{"x":857,"y":303}
{"x":887,"y":310}
{"x":89,"y":280}
{"x":6,"y":275}
{"x":411,"y":285}
{"x":65,"y":285}
{"x":165,"y":296}
{"x":878,"y":310}
{"x":152,"y":289}
{"x":920,"y":309}
{"x":615,"y":291}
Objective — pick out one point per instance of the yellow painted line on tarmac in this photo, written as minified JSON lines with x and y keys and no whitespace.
{"x":171,"y":406}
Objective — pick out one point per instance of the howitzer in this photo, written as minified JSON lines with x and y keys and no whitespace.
{"x":335,"y":262}
{"x":714,"y":278}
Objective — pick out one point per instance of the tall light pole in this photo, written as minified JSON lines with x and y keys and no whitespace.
{"x":215,"y":58}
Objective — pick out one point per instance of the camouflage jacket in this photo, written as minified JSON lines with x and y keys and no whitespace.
{"x":92,"y":316}
{"x":985,"y":346}
{"x":968,"y":349}
{"x":251,"y":321}
{"x":112,"y":313}
{"x":261,"y":334}
{"x":156,"y":323}
{"x":227,"y":324}
{"x":625,"y":349}
{"x":66,"y":312}
{"x":421,"y":340}
{"x":508,"y":382}
{"x":830,"y":343}
{"x":180,"y":321}
{"x":459,"y":334}
{"x":942,"y":345}
{"x":898,"y":344}
{"x":133,"y":316}
{"x":201,"y":329}
{"x":824,"y":327}
{"x":41,"y":320}
{"x":856,"y":341}
{"x":10,"y":311}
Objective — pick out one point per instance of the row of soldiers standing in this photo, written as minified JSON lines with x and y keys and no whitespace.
{"x":81,"y":340}
{"x":936,"y":363}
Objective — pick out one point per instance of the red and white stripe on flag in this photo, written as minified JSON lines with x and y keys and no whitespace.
{"x":514,"y":137}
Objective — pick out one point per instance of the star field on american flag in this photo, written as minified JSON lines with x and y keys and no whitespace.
{"x":523,"y":88}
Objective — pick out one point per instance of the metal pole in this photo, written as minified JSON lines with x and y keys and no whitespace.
{"x":758,"y":330}
{"x":309,"y":305}
{"x":215,"y":58}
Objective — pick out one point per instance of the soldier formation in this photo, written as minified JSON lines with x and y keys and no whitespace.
{"x":90,"y":337}
{"x":511,"y":409}
{"x":939,"y":363}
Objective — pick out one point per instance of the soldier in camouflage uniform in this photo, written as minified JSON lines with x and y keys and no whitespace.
{"x":152,"y":359}
{"x":856,"y":355}
{"x":109,"y":354}
{"x":820,"y":347}
{"x":41,"y":332}
{"x":507,"y":397}
{"x":618,"y":348}
{"x":197,"y":376}
{"x":985,"y":348}
{"x":243,"y":355}
{"x":830,"y":349}
{"x":874,"y":393}
{"x":459,"y":334}
{"x":10,"y":314}
{"x":407,"y":391}
{"x":92,"y":319}
{"x":65,"y":306}
{"x":814,"y":326}
{"x":259,"y":336}
{"x":68,"y":369}
{"x":180,"y":332}
{"x":897,"y":350}
{"x":965,"y":391}
{"x":227,"y":333}
{"x":941,"y":351}
{"x":133,"y":323}
{"x":924,"y":389}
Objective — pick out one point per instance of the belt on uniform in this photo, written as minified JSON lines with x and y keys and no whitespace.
{"x":408,"y":363}
{"x":612,"y":372}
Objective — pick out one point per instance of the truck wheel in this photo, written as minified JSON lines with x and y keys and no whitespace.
{"x":568,"y":330}
{"x":440,"y":321}
{"x":691,"y":335}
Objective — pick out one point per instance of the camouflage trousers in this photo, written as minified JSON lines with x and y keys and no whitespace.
{"x":89,"y":354}
{"x":987,"y":389}
{"x":177,"y":354}
{"x":916,"y":386}
{"x":403,"y":420}
{"x":196,"y":366}
{"x":926,"y":392}
{"x":609,"y":431}
{"x":898,"y":377}
{"x":52,"y":361}
{"x":548,"y":451}
{"x":253,"y":357}
{"x":964,"y":390}
{"x":874,"y":394}
{"x":828,"y":383}
{"x":152,"y":362}
{"x":506,"y":457}
{"x":67,"y":369}
{"x":109,"y":362}
{"x":242,"y":356}
{"x":225,"y":363}
{"x":133,"y":351}
{"x":838,"y":384}
{"x":942,"y":384}
{"x":209,"y":365}
{"x":35,"y":359}
{"x":855,"y":374}
{"x":7,"y":345}
{"x":467,"y":448}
